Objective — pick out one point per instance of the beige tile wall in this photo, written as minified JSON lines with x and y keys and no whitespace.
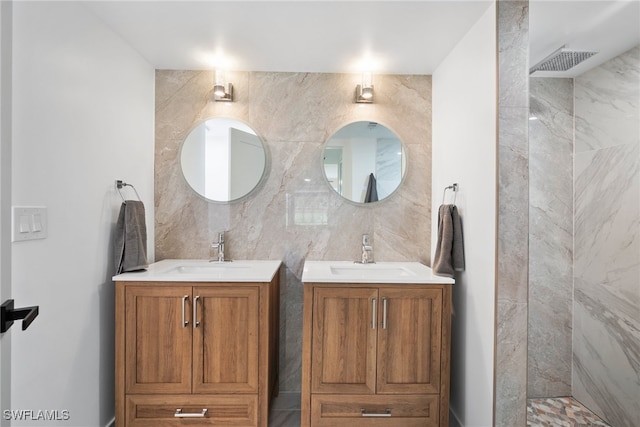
{"x":294,"y":113}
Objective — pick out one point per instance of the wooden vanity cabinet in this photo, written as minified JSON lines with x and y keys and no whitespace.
{"x":198,"y":353}
{"x":376,"y":355}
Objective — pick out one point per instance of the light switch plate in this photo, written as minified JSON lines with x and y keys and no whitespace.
{"x":29,"y":223}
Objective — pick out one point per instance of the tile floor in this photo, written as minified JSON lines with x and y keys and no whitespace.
{"x":285,"y":410}
{"x":561,"y":412}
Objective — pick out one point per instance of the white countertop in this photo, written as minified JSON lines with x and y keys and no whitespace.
{"x":379,"y":272}
{"x":201,"y":270}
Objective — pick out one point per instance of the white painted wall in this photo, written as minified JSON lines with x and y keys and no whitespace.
{"x":5,"y":196}
{"x":83,"y":114}
{"x":464,"y":151}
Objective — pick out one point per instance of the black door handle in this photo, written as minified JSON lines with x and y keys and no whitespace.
{"x":8,"y":314}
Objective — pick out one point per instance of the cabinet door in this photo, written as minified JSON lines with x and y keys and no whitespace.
{"x":409,"y":340}
{"x":225,"y":339}
{"x":344,"y":340}
{"x":158,"y":339}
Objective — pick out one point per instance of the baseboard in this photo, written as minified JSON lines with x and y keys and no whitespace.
{"x":453,"y":419}
{"x":111,"y":423}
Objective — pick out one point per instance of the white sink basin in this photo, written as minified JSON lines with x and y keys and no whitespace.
{"x":201,"y":270}
{"x":381,"y":272}
{"x":212,"y":268}
{"x":370,"y":269}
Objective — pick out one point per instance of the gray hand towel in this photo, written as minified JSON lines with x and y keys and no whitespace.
{"x":449,"y":255}
{"x":372,"y":190}
{"x":130,"y":248}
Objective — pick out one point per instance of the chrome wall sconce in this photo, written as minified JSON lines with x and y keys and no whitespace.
{"x":222,"y":91}
{"x":364,"y":91}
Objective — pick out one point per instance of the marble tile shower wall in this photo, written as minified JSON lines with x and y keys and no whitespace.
{"x":550,"y":237}
{"x":513,"y":214}
{"x":606,"y":338}
{"x":294,"y":215}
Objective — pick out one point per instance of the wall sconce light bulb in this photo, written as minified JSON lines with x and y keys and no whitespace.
{"x":222,"y":90}
{"x":364,"y":91}
{"x":218,"y":90}
{"x":367,"y":79}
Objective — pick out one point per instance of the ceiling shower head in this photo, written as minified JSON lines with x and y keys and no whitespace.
{"x":561,"y":60}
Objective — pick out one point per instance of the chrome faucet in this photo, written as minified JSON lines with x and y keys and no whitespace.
{"x":367,"y":250}
{"x":219,"y":245}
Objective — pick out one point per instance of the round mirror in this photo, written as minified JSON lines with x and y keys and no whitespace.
{"x":223,"y":159}
{"x":364,"y":162}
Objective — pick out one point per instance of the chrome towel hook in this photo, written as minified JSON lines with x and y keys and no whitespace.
{"x":120,"y":184}
{"x":453,"y":187}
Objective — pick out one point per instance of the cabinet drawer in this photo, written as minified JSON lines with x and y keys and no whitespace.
{"x":161,"y":411}
{"x":374,"y":410}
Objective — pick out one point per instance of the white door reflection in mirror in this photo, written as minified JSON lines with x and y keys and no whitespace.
{"x":246,"y":162}
{"x":223,"y":159}
{"x":364,"y":162}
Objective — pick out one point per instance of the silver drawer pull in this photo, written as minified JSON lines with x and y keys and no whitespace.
{"x":185,"y":322}
{"x":384,"y":313}
{"x":194,"y":321}
{"x":387,"y":413}
{"x":374,"y":313}
{"x":179,"y":414}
